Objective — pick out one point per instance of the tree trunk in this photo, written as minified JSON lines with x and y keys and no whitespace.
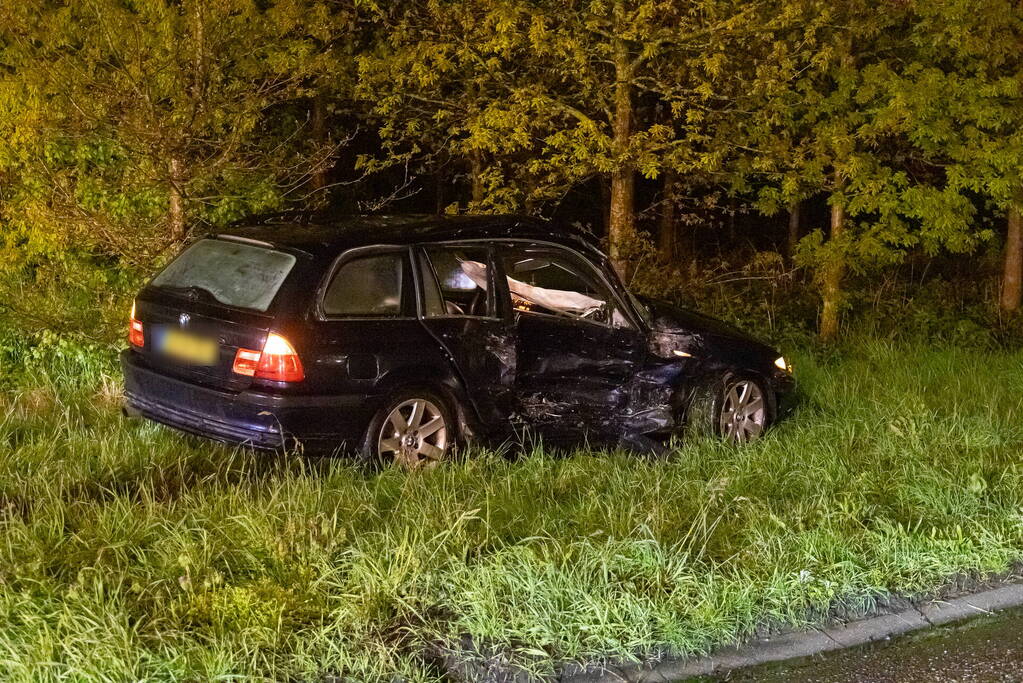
{"x":733,"y":234}
{"x":621,"y":224}
{"x":831,"y":282}
{"x":199,"y":56}
{"x":604,"y":185}
{"x":319,"y":126}
{"x":476,"y":173}
{"x":667,"y":242}
{"x":621,"y":220}
{"x":794,"y":232}
{"x":440,"y":197}
{"x":1012,"y":272}
{"x":176,"y":208}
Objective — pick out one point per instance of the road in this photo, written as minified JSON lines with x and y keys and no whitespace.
{"x":980,"y":650}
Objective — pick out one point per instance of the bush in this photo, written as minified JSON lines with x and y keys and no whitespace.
{"x":760,"y":293}
{"x":77,"y":296}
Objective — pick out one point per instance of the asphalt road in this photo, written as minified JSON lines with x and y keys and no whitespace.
{"x":981,"y":650}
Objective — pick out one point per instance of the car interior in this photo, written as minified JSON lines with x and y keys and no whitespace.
{"x":366,"y":286}
{"x":550,"y":286}
{"x":460,"y":293}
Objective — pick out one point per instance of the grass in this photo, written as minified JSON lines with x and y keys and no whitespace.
{"x":128,"y":551}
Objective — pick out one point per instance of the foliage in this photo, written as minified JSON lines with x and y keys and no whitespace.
{"x":127,"y":122}
{"x":960,"y":99}
{"x":921,"y":302}
{"x":841,"y":110}
{"x":75,"y":295}
{"x":537,"y":98}
{"x":125,"y":125}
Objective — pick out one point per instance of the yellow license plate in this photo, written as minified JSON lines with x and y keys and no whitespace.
{"x":189,"y":348}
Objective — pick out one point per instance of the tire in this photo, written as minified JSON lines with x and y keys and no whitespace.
{"x":735,"y":406}
{"x":415,"y":429}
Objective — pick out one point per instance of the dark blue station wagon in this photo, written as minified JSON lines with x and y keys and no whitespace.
{"x":401,"y":337}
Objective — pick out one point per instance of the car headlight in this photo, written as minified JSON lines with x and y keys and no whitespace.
{"x":781,"y":364}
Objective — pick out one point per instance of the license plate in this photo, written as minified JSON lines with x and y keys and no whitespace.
{"x":188,"y":348}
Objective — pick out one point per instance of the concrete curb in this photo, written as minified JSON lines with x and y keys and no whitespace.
{"x":806,"y":643}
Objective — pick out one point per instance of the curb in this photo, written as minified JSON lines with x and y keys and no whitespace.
{"x":807,"y":643}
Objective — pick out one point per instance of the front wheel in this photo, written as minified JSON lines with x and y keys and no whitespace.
{"x":414,"y":430}
{"x":735,"y":407}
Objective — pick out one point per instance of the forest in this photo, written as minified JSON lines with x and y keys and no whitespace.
{"x":847,"y":158}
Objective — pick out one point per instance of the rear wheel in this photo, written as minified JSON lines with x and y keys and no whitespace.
{"x":735,"y":407}
{"x":413,"y":430}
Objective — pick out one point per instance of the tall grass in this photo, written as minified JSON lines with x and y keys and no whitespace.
{"x":128,"y":551}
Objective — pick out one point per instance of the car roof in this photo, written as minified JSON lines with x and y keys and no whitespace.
{"x":320,"y":234}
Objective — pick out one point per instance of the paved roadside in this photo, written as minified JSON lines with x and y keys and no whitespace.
{"x":814,"y":642}
{"x":983,"y":649}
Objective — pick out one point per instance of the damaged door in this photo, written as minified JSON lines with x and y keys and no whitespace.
{"x":578,"y":347}
{"x":462,"y":310}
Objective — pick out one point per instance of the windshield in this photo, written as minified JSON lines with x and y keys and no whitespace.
{"x":233,"y":273}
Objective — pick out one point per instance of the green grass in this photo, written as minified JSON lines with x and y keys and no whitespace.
{"x":128,"y":551}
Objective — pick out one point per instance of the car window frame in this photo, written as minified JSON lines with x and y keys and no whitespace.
{"x":409,"y":283}
{"x":495,"y":291}
{"x":596,"y":269}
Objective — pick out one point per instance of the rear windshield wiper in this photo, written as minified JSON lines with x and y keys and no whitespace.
{"x":193,"y":292}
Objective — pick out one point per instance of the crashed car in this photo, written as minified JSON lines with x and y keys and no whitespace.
{"x":401,"y":337}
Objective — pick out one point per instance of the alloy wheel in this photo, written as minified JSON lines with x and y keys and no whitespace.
{"x":414,"y":435}
{"x":743,"y":411}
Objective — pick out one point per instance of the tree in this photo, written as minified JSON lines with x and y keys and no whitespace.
{"x":563,"y":91}
{"x":433,"y":79}
{"x":960,"y":101}
{"x":826,"y":116}
{"x":139,"y":116}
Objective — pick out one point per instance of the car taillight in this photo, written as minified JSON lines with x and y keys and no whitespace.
{"x":246,"y":362}
{"x":277,"y":361}
{"x":136,"y":335}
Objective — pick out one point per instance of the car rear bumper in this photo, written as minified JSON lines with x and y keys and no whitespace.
{"x":252,"y":418}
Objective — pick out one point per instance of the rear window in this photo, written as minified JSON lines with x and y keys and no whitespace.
{"x":233,"y":273}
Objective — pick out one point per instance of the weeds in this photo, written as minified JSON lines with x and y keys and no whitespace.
{"x":129,"y":551}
